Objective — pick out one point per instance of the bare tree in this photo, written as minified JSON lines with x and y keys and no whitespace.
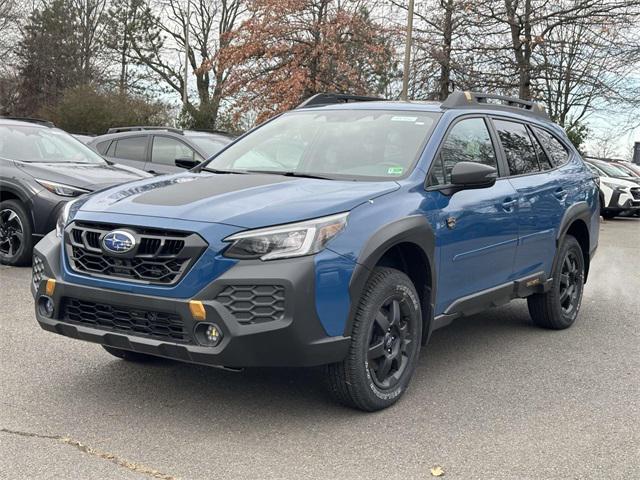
{"x":91,"y":23}
{"x":588,"y":65}
{"x":526,"y":24}
{"x":161,"y":50}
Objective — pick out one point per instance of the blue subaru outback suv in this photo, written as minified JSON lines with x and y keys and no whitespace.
{"x":341,"y":233}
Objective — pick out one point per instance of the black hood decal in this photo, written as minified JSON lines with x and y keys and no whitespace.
{"x":174,"y":193}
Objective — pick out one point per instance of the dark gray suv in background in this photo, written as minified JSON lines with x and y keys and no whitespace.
{"x":41,"y":169}
{"x":159,"y":150}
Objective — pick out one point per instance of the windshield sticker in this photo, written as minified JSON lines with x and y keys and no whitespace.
{"x":395,"y":171}
{"x":404,"y":119}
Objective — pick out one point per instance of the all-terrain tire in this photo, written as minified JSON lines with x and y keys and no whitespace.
{"x":389,"y":299}
{"x":558,"y":308}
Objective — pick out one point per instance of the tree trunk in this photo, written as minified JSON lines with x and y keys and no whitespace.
{"x":445,"y":63}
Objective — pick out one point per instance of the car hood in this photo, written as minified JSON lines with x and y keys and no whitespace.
{"x":241,"y":200}
{"x":83,"y":175}
{"x":619,"y":182}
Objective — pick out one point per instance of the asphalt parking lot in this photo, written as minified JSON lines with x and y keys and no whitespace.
{"x":493,"y":397}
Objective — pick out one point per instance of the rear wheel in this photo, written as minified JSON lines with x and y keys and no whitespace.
{"x":16,"y":242}
{"x":609,"y":215}
{"x":129,"y":355}
{"x":385,"y":343}
{"x":558,"y":308}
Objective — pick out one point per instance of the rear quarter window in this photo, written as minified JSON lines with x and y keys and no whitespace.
{"x":102,"y":147}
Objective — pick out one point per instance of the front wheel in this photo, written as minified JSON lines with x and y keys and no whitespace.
{"x":16,"y":243}
{"x":385,"y":342}
{"x":558,"y":308}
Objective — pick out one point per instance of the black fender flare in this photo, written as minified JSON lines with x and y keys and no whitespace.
{"x":414,"y":229}
{"x":577,"y":211}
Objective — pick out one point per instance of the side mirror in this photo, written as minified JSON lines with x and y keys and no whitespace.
{"x":187,"y":163}
{"x":473,"y":175}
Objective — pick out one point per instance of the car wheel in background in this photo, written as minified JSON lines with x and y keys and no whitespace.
{"x":16,"y":241}
{"x":558,"y":308}
{"x":385,"y":342}
{"x":609,"y":215}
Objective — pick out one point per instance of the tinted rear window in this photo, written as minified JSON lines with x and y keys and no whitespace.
{"x":518,"y":147}
{"x":556,"y":150}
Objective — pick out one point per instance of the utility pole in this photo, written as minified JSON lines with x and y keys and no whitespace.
{"x":407,"y":53}
{"x":186,"y":52}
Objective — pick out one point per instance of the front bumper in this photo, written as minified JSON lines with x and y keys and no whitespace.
{"x":296,"y":338}
{"x":621,"y":202}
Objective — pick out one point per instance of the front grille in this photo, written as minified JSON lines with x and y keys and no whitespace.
{"x":37,"y":271}
{"x":159,"y":257}
{"x":251,"y":304}
{"x":158,"y":325}
{"x":635,"y":192}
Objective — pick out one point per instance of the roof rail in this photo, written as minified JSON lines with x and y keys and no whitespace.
{"x":320,"y":99}
{"x":141,"y":128}
{"x":460,"y":99}
{"x":217,"y":132}
{"x":37,"y":121}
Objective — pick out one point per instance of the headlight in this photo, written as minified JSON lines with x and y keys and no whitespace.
{"x":615,"y":187}
{"x":67,"y":214}
{"x":284,"y":241}
{"x":61,"y":189}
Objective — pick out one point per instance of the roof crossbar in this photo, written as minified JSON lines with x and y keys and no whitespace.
{"x":320,"y":99}
{"x":460,"y":99}
{"x":142,"y":128}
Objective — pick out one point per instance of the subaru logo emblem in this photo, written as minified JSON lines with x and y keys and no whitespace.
{"x":118,"y":241}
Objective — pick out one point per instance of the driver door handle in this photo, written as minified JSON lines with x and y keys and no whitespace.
{"x":509,"y":203}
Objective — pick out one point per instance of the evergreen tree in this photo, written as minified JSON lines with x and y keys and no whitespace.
{"x":48,"y":56}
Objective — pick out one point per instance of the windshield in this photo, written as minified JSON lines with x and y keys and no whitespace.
{"x":351,"y":144}
{"x":626,"y":170}
{"x":209,"y":144}
{"x":48,"y":145}
{"x":612,"y":170}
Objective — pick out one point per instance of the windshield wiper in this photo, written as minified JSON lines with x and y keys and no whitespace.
{"x":215,"y":170}
{"x":290,"y":174}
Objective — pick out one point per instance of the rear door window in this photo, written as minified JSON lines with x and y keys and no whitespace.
{"x":467,"y":141}
{"x":543,"y":159}
{"x":167,"y":150}
{"x":553,"y":146}
{"x":134,"y":148}
{"x":518,"y":147}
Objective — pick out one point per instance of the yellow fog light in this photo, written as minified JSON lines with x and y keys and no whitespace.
{"x":51,"y":286}
{"x":197,"y":310}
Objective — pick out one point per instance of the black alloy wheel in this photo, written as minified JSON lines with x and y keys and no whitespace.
{"x":11,"y":233}
{"x":571,"y":282}
{"x":391,"y":342}
{"x":16,"y":243}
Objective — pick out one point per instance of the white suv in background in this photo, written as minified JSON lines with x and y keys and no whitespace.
{"x":617,"y":195}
